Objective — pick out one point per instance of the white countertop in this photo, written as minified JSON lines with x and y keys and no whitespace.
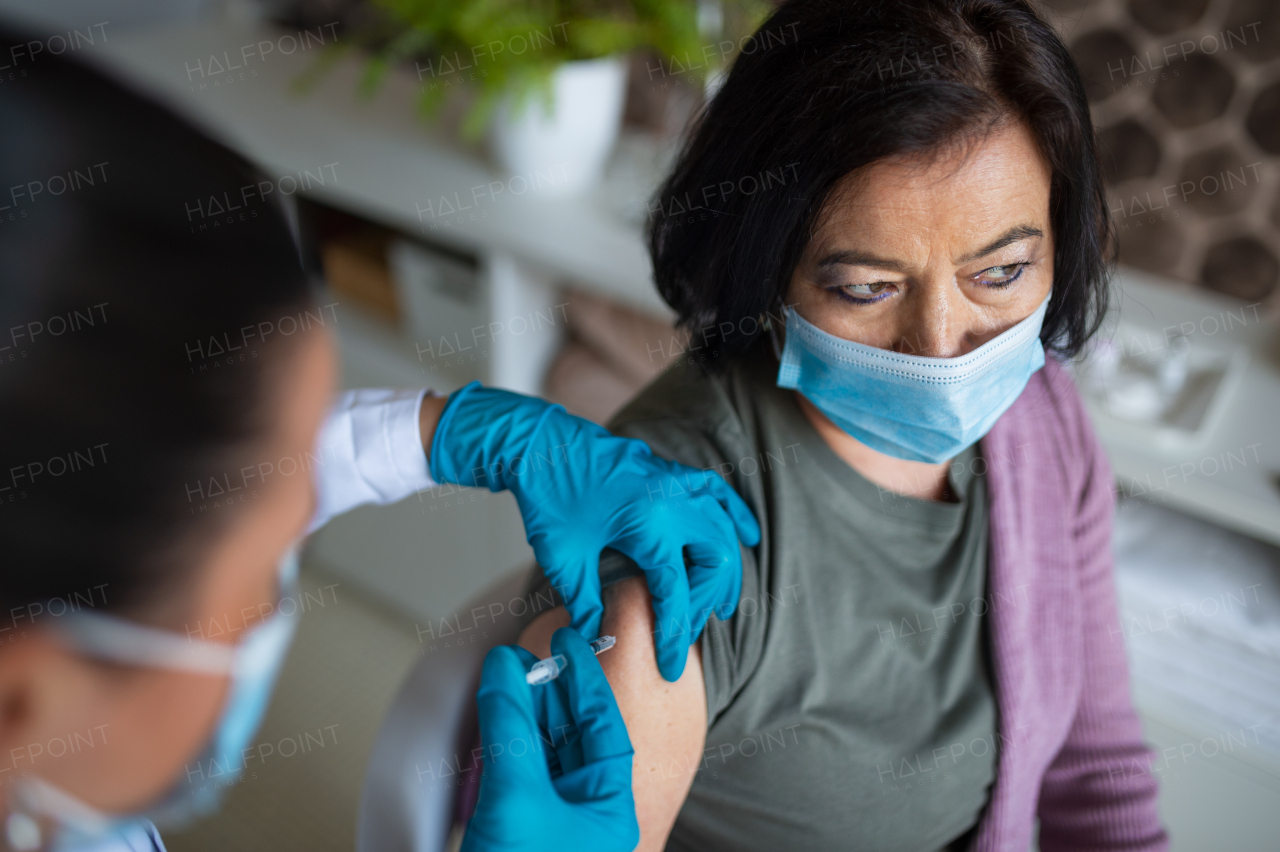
{"x":1231,"y":478}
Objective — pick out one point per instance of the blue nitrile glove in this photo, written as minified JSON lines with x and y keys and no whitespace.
{"x":582,"y":489}
{"x":583,"y":800}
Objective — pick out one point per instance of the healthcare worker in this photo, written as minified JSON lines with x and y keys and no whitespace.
{"x":161,"y":354}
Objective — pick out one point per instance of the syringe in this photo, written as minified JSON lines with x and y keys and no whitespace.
{"x":547,"y":670}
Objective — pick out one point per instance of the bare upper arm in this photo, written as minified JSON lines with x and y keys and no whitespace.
{"x":667,"y":722}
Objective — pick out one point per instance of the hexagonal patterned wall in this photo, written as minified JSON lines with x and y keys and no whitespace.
{"x":1186,"y":97}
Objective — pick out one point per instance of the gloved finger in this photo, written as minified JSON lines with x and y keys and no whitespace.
{"x":591,"y":701}
{"x":715,"y":580}
{"x":551,"y":713}
{"x":743,"y":519}
{"x":715,"y":562}
{"x":509,"y":732}
{"x":526,"y":657}
{"x":577,"y":581}
{"x":663,"y":565}
{"x":604,"y":787}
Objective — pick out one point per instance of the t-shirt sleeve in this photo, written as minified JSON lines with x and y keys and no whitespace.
{"x":725,"y":644}
{"x":730,"y":648}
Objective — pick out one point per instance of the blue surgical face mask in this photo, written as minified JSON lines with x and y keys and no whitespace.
{"x":46,"y":817}
{"x":908,"y":406}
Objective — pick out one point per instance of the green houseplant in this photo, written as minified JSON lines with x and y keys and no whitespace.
{"x":510,"y":49}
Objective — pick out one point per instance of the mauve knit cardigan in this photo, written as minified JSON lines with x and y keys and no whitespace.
{"x":1072,"y":751}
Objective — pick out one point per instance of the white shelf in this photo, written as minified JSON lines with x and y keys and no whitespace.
{"x":387,"y":164}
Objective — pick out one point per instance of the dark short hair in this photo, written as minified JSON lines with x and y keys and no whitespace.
{"x":113,"y":275}
{"x":826,"y":87}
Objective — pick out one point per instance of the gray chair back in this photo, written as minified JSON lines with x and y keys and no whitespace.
{"x":423,"y":755}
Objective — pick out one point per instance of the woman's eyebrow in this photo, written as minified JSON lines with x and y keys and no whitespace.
{"x":854,"y":257}
{"x":1013,"y":235}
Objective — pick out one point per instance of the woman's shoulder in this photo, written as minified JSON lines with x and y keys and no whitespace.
{"x":689,"y":410}
{"x":683,"y":391}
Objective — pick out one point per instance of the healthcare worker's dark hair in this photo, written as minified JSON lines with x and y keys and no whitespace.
{"x":123,"y":292}
{"x":826,"y":87}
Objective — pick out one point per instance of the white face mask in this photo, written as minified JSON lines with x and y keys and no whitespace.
{"x":44,"y":817}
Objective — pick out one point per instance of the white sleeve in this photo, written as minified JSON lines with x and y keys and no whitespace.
{"x":370,"y":451}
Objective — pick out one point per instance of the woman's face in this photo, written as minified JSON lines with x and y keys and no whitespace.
{"x":932,"y":257}
{"x":150,"y":722}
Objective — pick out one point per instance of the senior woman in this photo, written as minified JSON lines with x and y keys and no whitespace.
{"x":925,"y":654}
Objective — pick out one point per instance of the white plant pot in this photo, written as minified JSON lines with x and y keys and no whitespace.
{"x":563,"y":151}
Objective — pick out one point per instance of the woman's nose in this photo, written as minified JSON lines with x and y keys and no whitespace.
{"x":936,"y":326}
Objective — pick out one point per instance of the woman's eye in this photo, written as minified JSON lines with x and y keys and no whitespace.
{"x":866,"y":289}
{"x":865,"y":294}
{"x":1001,"y":276}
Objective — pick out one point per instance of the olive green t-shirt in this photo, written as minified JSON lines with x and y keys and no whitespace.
{"x":848,"y":699}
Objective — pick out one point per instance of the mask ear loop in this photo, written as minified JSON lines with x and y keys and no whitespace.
{"x":115,"y":640}
{"x":773,"y":334}
{"x":36,"y":808}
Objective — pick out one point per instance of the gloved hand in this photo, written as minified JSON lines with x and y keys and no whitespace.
{"x":583,"y":800}
{"x":582,"y":489}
